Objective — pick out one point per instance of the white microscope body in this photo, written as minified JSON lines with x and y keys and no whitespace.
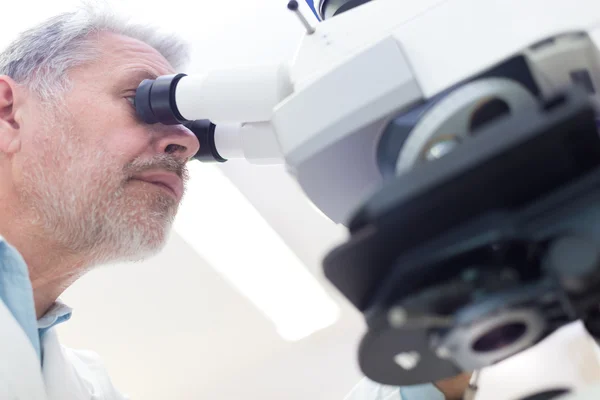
{"x":323,"y":113}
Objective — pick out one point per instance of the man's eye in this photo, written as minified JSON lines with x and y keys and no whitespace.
{"x":131,"y":99}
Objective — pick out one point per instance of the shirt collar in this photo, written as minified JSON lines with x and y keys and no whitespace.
{"x":57,"y":314}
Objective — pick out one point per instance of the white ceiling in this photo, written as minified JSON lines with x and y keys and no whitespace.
{"x":172,"y":327}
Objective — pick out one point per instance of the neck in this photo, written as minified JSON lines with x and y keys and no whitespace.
{"x":52,"y":268}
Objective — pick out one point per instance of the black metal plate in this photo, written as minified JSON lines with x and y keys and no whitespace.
{"x":509,"y":164}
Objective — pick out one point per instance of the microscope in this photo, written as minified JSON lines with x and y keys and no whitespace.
{"x":464,"y":162}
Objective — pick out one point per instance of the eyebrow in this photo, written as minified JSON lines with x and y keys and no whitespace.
{"x":137,"y":76}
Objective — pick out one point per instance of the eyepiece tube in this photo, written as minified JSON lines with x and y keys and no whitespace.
{"x":155,"y":100}
{"x":240,"y":95}
{"x":218,"y":143}
{"x":256,"y":143}
{"x":228,"y":141}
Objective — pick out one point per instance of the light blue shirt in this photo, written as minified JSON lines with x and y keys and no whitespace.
{"x":17,"y":294}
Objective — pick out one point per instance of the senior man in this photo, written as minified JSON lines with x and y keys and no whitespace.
{"x":83,"y":182}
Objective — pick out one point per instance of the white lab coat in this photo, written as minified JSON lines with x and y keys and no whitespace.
{"x":66,"y":374}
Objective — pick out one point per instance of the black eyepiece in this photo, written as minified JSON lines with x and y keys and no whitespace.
{"x":205,"y":132}
{"x":155,"y":100}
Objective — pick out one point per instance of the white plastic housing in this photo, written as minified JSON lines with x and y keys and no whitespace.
{"x":228,"y":141}
{"x":244,"y":94}
{"x":329,"y":127}
{"x":255,"y":142}
{"x":328,"y":130}
{"x":445,"y":41}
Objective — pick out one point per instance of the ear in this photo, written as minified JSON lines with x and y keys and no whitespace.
{"x":10,"y":133}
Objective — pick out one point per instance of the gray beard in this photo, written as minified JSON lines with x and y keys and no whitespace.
{"x":84,"y":204}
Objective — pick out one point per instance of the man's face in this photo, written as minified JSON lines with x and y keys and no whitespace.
{"x":85,"y":167}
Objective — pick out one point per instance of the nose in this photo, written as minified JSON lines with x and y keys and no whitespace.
{"x":177,"y":141}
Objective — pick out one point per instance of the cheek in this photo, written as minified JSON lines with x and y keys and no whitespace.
{"x":81,"y":150}
{"x":124,"y":143}
{"x":98,"y":132}
{"x":115,"y":135}
{"x":118,"y":133}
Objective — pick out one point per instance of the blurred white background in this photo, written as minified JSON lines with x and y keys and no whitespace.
{"x":236,"y":306}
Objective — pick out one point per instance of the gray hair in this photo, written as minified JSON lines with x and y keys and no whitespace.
{"x":40,"y":57}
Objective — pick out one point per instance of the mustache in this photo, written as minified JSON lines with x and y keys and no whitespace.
{"x":164,"y":162}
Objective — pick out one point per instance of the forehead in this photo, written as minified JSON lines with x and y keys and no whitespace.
{"x":123,"y":57}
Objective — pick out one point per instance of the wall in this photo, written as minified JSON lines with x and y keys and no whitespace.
{"x":172,"y":328}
